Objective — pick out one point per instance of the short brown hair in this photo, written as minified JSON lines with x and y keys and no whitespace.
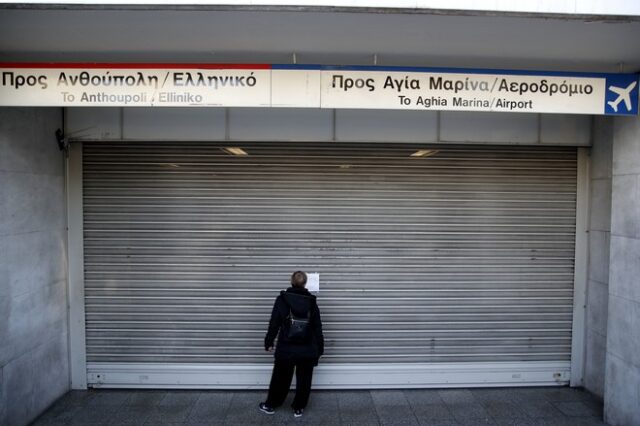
{"x":298,"y":279}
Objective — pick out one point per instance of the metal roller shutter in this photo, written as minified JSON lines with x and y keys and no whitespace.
{"x":465,"y":256}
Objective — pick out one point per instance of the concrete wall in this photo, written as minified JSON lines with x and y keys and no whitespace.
{"x":599,"y":239}
{"x":289,"y":124}
{"x":622,"y":377}
{"x":34,"y":367}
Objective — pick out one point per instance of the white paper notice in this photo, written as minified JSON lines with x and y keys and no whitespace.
{"x":313,"y":282}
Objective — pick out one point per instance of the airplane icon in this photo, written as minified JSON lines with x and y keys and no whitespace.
{"x":623,"y":95}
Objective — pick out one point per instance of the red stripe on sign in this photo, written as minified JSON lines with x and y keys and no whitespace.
{"x":91,"y":65}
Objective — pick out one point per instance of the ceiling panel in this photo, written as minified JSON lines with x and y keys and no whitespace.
{"x":318,"y":37}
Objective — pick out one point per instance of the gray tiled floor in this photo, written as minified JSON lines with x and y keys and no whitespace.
{"x":445,"y":407}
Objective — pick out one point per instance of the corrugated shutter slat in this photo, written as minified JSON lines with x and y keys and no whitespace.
{"x":463,"y":256}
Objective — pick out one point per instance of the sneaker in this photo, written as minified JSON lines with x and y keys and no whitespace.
{"x":298,"y":412}
{"x":266,"y":409}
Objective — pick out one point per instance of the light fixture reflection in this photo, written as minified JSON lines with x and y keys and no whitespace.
{"x":425,"y":153}
{"x":235,"y":151}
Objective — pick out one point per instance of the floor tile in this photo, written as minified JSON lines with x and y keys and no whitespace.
{"x":76,"y":397}
{"x":504,"y":410}
{"x":427,"y":405}
{"x":570,"y":421}
{"x":484,"y":396}
{"x":281,"y":418}
{"x":356,"y":407}
{"x":43,"y":421}
{"x":322,"y":408}
{"x":445,"y":407}
{"x":591,"y":421}
{"x":114,"y":398}
{"x":179,"y":398}
{"x":457,"y":396}
{"x":164,"y":423}
{"x":161,"y":415}
{"x":243,"y":408}
{"x":59,"y":413}
{"x":559,"y":421}
{"x":92,"y":416}
{"x":358,"y":423}
{"x":438,"y":422}
{"x":130,"y":415}
{"x":563,"y":394}
{"x":423,"y":396}
{"x":429,"y":412}
{"x":510,"y":421}
{"x":393,"y":408}
{"x":146,"y":398}
{"x":211,"y":406}
{"x":529,"y":394}
{"x":539,"y":409}
{"x":595,"y":405}
{"x":211,"y":422}
{"x":398,"y":416}
{"x":468,"y":411}
{"x":484,"y":421}
{"x":389,"y":397}
{"x":576,"y":409}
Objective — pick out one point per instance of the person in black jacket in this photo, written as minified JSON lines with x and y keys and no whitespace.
{"x":299,"y":353}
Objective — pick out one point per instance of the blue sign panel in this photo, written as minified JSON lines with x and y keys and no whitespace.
{"x":622,"y":94}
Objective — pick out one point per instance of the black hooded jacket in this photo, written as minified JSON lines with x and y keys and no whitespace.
{"x":301,"y":302}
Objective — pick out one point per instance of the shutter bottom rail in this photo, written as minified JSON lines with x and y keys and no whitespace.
{"x":332,"y":376}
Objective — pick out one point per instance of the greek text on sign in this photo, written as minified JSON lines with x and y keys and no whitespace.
{"x":305,"y":86}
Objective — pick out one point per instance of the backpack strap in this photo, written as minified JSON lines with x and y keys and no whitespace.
{"x":283,"y":293}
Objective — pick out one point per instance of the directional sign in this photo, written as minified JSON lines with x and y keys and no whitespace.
{"x":314,"y":86}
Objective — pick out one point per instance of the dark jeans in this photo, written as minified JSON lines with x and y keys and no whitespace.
{"x":281,"y":381}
